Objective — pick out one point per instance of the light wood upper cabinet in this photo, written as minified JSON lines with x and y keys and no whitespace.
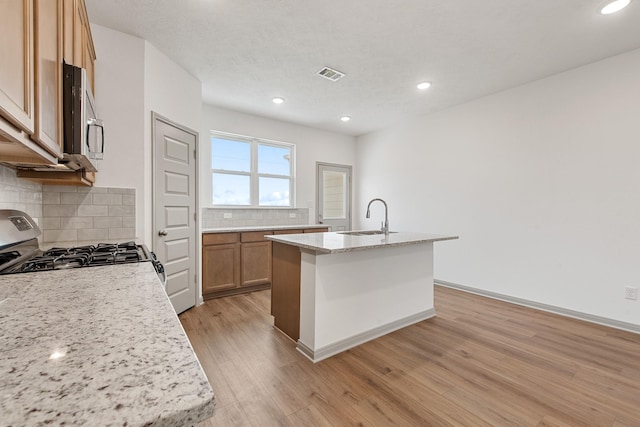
{"x":89,"y":52}
{"x":78,"y":42}
{"x":68,"y":15}
{"x":35,"y":36}
{"x":17,"y":85}
{"x":16,"y":67}
{"x":48,"y":75}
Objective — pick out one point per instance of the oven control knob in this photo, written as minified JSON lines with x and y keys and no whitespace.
{"x":162,"y":233}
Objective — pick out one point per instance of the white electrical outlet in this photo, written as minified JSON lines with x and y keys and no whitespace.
{"x":631,"y":293}
{"x":227,"y":215}
{"x":292,"y":215}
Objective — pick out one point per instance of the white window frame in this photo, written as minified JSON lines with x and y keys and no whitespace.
{"x":254,"y":176}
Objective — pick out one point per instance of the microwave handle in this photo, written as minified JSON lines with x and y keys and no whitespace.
{"x":99,"y":124}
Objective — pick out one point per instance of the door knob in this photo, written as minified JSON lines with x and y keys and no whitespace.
{"x":162,"y":233}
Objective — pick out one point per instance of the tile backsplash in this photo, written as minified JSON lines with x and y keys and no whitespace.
{"x":71,"y":214}
{"x":213,"y":218}
{"x":20,"y":194}
{"x":76,"y":214}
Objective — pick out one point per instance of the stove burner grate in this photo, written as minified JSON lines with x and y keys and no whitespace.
{"x":115,"y":257}
{"x":111,"y":247}
{"x":39,"y":263}
{"x":85,"y":256}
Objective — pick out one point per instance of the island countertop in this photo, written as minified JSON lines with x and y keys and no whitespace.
{"x":336,"y":242}
{"x":96,"y":346}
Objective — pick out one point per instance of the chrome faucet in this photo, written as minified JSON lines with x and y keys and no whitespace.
{"x":385,"y":225}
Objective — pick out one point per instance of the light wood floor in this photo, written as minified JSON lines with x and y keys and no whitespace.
{"x":480,"y":362}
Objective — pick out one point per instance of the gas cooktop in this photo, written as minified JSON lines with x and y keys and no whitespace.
{"x":20,"y":252}
{"x":87,"y":256}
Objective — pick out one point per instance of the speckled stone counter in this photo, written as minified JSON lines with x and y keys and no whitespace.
{"x":96,"y":346}
{"x":261,"y":228}
{"x":330,"y":243}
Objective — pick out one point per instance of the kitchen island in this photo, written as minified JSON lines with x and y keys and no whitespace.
{"x":333,"y":291}
{"x":96,"y":346}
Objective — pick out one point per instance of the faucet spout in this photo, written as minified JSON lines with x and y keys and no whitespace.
{"x":385,"y":226}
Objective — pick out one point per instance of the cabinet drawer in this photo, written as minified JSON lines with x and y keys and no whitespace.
{"x":254,"y":236}
{"x":219,"y":238}
{"x":316,"y":230}
{"x":297,"y":231}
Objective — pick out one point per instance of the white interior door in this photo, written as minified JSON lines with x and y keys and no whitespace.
{"x":174,"y":217}
{"x":334,"y":196}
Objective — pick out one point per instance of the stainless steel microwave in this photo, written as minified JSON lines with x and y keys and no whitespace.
{"x":82,"y":129}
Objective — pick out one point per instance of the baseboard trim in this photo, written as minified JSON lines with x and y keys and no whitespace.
{"x":612,"y":323}
{"x":355,"y":340}
{"x":237,"y":291}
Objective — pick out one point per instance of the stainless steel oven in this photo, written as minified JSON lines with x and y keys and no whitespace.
{"x":21,"y":253}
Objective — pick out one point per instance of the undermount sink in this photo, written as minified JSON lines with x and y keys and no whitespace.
{"x":363,"y":232}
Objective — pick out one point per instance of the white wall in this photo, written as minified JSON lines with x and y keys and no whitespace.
{"x":312,"y":145}
{"x":172,"y":92}
{"x":541,"y":183}
{"x":119,"y":96}
{"x":134,"y":78}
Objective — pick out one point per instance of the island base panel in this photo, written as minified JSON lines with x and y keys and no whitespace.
{"x":285,"y":289}
{"x":349,"y":298}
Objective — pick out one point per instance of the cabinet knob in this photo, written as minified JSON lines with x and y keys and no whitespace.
{"x":162,"y":233}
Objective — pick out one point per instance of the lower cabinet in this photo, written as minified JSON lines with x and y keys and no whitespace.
{"x":220,"y":263}
{"x":255,"y":263}
{"x":234,"y":263}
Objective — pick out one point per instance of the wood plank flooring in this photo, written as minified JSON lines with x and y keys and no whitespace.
{"x":480,"y":362}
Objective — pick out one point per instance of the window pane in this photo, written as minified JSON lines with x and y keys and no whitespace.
{"x":274,"y":160}
{"x":231,"y":189}
{"x":230,"y":155}
{"x":334,"y":187}
{"x":274,"y":192}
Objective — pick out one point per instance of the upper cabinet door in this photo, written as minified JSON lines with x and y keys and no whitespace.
{"x":78,"y":42}
{"x":48,"y":74}
{"x":69,"y":14}
{"x":16,"y":66}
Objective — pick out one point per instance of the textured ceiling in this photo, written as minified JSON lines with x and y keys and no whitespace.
{"x":245,"y":52}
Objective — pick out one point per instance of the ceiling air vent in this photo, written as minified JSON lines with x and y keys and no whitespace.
{"x":330,"y":74}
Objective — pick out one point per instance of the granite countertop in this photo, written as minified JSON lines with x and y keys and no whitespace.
{"x":335,"y":242}
{"x":125,"y":359}
{"x":262,"y":227}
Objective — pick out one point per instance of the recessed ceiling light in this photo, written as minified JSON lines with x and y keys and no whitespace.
{"x":614,"y":6}
{"x":345,"y":118}
{"x":278,"y":100}
{"x":424,"y":85}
